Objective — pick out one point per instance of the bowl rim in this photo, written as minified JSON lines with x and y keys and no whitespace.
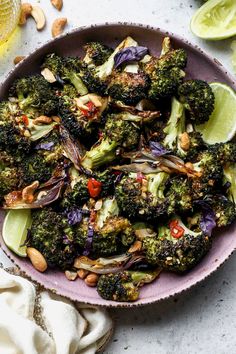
{"x":195,"y":48}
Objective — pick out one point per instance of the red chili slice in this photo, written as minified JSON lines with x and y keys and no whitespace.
{"x":94,"y":187}
{"x":91,"y":111}
{"x":176,"y":230}
{"x":25,"y":119}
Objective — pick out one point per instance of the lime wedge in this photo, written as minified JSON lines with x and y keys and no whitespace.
{"x":216,"y":19}
{"x":14,"y":231}
{"x":221,"y":127}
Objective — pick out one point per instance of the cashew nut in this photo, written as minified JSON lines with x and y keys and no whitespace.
{"x":26,"y":9}
{"x":58,"y":26}
{"x":18,"y":59}
{"x":57,"y":4}
{"x":184,"y":141}
{"x":137,"y":246}
{"x":37,"y":259}
{"x":39,"y":17}
{"x":28,"y":192}
{"x":48,"y":75}
{"x":42,"y":120}
{"x":71,"y":275}
{"x":91,"y":279}
{"x":82,"y":273}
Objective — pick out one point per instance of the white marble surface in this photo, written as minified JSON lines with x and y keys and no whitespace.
{"x":202,"y":320}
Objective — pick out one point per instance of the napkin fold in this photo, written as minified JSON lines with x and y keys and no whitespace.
{"x":34,"y":321}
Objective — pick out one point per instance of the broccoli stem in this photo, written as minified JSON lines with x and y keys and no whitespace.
{"x":175,"y":125}
{"x":140,"y":278}
{"x":100,"y":155}
{"x":78,"y":83}
{"x":230,"y":176}
{"x":156,"y":184}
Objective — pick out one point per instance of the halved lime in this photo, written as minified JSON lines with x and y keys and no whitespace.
{"x":216,"y":19}
{"x":14,"y":231}
{"x":221,"y":127}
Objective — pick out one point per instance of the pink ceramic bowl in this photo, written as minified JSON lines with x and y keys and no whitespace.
{"x":200,"y":66}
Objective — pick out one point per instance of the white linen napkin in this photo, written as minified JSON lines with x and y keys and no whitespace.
{"x":33,"y":321}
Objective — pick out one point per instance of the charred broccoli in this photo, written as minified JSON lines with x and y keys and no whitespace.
{"x":34,"y":94}
{"x":166,"y":73}
{"x":198,"y":99}
{"x":9,"y":174}
{"x":176,"y":248}
{"x":96,"y":53}
{"x":123,"y":286}
{"x":223,"y":208}
{"x":179,"y":195}
{"x":34,"y":168}
{"x":112,"y":234}
{"x":226,"y":152}
{"x":49,"y":235}
{"x":67,"y":69}
{"x":142,"y":198}
{"x":128,"y":87}
{"x":117,"y":133}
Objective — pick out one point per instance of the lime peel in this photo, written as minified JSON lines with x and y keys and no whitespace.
{"x":15,"y":227}
{"x":215,"y":20}
{"x":221,"y":127}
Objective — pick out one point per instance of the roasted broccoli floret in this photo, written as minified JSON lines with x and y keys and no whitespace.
{"x":123,"y":286}
{"x":175,"y":127}
{"x":50,"y":148}
{"x":97,"y":77}
{"x":34,"y":168}
{"x":76,"y":192}
{"x":83,"y":123}
{"x":198,"y":99}
{"x":8,"y":111}
{"x":226,"y":152}
{"x":179,"y":195}
{"x":51,"y":235}
{"x":112,"y":234}
{"x":96,"y":53}
{"x":166,"y":73}
{"x":143,"y":198}
{"x":209,"y":174}
{"x":68,"y":92}
{"x":175,"y":137}
{"x":68,"y":69}
{"x":117,"y":133}
{"x":128,"y":87}
{"x":223,"y":208}
{"x":34,"y":94}
{"x":9,"y":174}
{"x":11,"y":139}
{"x":176,"y":248}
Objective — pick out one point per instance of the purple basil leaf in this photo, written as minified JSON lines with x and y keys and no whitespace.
{"x":45,"y":146}
{"x":208,"y":218}
{"x":89,"y":241}
{"x":129,"y":54}
{"x":66,"y":240}
{"x":208,"y":222}
{"x":74,"y":216}
{"x":157,"y":149}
